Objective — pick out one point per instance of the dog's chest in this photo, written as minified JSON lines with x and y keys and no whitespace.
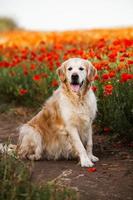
{"x":79,"y":116}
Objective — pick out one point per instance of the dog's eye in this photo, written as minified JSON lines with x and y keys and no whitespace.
{"x":81,"y":68}
{"x":70,"y":68}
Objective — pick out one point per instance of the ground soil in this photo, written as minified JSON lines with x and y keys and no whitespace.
{"x":113,"y":179}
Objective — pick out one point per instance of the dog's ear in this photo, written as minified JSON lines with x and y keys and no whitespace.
{"x":91,"y":72}
{"x":61,"y":72}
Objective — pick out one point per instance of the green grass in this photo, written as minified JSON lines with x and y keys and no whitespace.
{"x":16,"y":183}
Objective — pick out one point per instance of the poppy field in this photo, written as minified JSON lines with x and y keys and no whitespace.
{"x":28,"y":63}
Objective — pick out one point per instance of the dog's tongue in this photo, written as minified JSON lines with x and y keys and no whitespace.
{"x":75,"y":88}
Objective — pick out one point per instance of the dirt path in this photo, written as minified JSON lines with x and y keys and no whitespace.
{"x":113,"y":179}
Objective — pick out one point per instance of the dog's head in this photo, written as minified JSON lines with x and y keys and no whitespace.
{"x":77,"y":73}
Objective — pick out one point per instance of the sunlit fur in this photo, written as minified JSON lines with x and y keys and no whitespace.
{"x":62,"y":129}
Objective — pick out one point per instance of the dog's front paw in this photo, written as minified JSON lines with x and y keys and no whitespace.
{"x":86,"y":162}
{"x":93,"y":158}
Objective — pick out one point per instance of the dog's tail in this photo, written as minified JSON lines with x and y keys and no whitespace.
{"x":9,"y":149}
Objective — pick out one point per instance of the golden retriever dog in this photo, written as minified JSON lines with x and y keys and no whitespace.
{"x":63,"y":128}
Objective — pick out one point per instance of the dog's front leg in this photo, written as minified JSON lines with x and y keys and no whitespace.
{"x":90,"y":147}
{"x":77,"y":144}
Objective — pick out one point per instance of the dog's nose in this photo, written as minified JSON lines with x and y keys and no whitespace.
{"x":75,"y":77}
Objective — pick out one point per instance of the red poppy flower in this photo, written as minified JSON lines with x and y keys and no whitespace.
{"x":96,"y":77}
{"x":32,"y":67}
{"x":130,"y":62}
{"x":23,"y":92}
{"x":125,"y":77}
{"x":105,"y":76}
{"x":111,"y":74}
{"x":128,"y":43}
{"x":92,"y":53}
{"x":108,"y":89}
{"x":94,"y":88}
{"x":117,"y":42}
{"x":92,"y":169}
{"x":106,"y":129}
{"x":54,"y":83}
{"x":98,"y":66}
{"x":125,"y":55}
{"x":122,"y":58}
{"x":101,"y":43}
{"x":37,"y":77}
{"x":25,"y":72}
{"x":113,"y":56}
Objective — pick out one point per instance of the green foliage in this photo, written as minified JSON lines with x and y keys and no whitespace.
{"x":16,"y":184}
{"x":7,"y":24}
{"x":13,"y":79}
{"x":27,"y":77}
{"x":116,"y":112}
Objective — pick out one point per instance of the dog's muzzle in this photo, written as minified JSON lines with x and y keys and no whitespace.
{"x":75,"y":79}
{"x":75,"y":85}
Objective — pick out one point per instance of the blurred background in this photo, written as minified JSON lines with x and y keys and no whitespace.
{"x":50,"y":15}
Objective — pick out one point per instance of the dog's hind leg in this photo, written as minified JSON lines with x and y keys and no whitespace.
{"x":30,"y":143}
